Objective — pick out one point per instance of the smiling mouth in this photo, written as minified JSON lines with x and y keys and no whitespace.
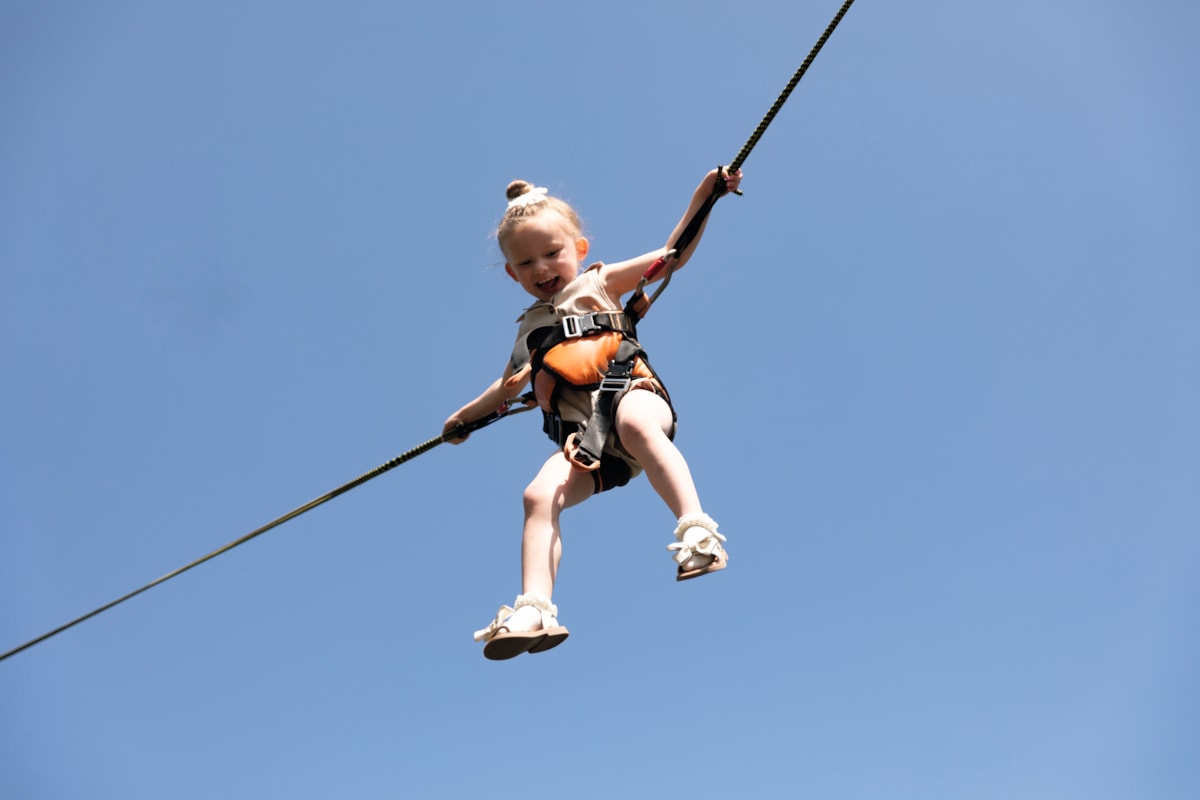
{"x":549,"y":285}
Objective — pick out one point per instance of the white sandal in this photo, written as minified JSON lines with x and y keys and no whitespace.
{"x":501,"y":642}
{"x":697,"y":547}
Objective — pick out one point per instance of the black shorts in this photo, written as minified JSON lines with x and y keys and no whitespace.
{"x":614,"y":471}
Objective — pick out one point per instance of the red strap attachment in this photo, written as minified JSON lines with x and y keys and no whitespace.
{"x":655,"y":268}
{"x":639,"y":303}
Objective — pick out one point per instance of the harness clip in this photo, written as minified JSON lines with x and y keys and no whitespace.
{"x":574,"y":326}
{"x":615,"y":384}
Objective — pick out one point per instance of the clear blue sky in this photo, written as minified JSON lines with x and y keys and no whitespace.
{"x":938,"y":375}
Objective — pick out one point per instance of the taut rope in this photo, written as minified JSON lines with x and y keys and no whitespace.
{"x":638,"y":303}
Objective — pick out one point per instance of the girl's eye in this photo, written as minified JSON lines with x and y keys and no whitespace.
{"x":553,"y":253}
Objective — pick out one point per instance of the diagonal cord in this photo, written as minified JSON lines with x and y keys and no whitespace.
{"x":783,"y":96}
{"x":638,"y":304}
{"x":409,"y":455}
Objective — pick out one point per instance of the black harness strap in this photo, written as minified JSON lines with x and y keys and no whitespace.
{"x":580,"y":325}
{"x":589,"y":443}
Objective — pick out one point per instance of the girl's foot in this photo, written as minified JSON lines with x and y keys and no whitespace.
{"x":697,"y":547}
{"x":530,"y":626}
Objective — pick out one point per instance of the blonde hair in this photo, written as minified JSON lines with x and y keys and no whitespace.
{"x":520,"y":212}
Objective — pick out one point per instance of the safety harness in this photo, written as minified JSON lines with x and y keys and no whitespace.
{"x":595,"y":352}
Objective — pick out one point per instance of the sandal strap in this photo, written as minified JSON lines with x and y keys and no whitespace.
{"x":486,"y":634}
{"x":549,"y":615}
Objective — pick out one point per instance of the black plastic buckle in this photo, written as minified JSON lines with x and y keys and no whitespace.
{"x":611,"y":384}
{"x":578,"y":325}
{"x":556,"y":428}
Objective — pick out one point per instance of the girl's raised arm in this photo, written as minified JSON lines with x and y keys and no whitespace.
{"x":623,"y":276}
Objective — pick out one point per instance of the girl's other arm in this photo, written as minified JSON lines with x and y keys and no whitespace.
{"x":502,"y":390}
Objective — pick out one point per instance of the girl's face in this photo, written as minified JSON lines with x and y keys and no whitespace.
{"x":544,"y":253}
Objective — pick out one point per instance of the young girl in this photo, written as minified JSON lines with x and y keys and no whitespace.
{"x":601,"y":401}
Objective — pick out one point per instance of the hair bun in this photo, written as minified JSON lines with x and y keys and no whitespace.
{"x":518,"y":188}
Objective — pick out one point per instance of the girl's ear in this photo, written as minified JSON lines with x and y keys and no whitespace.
{"x":581,"y":248}
{"x":511,"y":272}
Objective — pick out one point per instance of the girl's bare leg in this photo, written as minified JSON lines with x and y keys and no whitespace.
{"x":556,"y":486}
{"x":643,"y":424}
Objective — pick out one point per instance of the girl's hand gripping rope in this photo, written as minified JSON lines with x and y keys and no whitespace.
{"x":725,"y":182}
{"x":457,"y":430}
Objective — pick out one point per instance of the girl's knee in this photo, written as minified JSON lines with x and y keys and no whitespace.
{"x":538,"y":496}
{"x":643,"y":416}
{"x":555,"y":487}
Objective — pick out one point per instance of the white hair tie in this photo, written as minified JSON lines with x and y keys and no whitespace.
{"x":535,"y":195}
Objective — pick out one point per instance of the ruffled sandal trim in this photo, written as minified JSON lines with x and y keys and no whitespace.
{"x":701,"y":555}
